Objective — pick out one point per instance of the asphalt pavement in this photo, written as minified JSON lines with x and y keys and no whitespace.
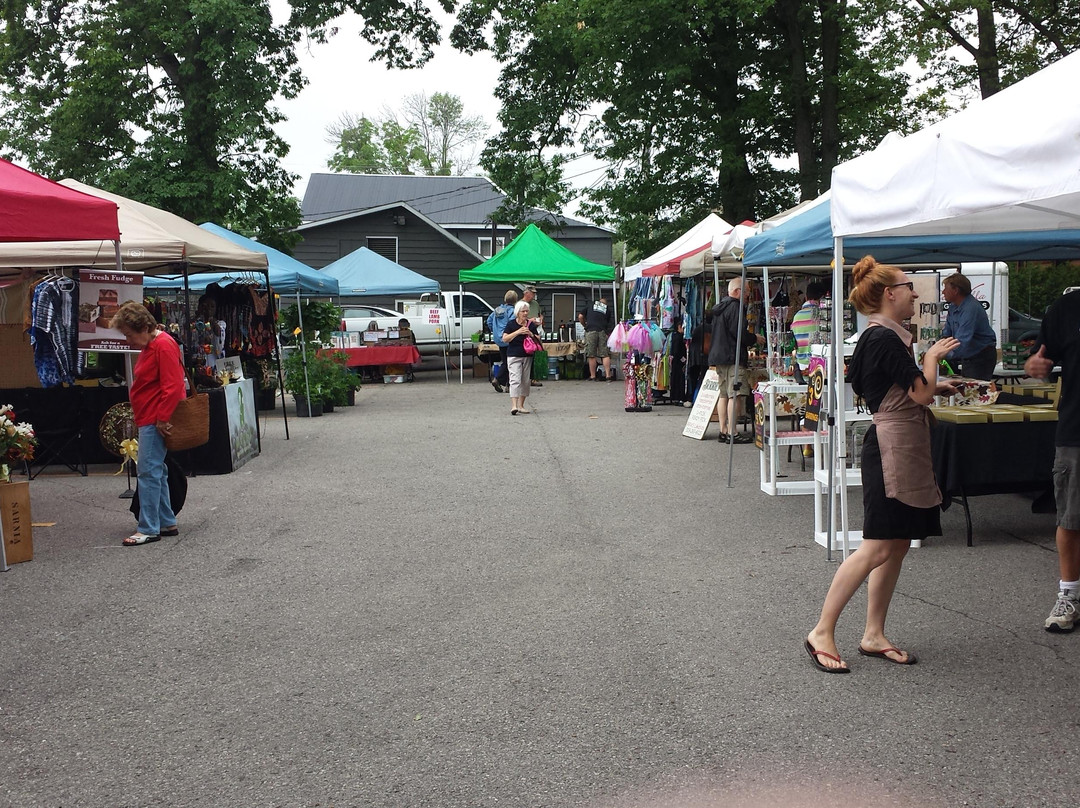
{"x":423,"y":601}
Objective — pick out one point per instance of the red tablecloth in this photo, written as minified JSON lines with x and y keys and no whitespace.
{"x":381,"y":355}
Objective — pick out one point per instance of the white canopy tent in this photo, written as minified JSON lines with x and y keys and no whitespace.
{"x":1006,"y":168}
{"x":693,"y":247}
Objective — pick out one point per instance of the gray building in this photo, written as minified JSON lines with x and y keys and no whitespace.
{"x":436,"y":226}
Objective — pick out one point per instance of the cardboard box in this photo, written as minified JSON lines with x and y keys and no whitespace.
{"x":480,"y":370}
{"x":1039,"y":413}
{"x":1004,"y":414}
{"x":15,"y":518}
{"x":961,"y":415}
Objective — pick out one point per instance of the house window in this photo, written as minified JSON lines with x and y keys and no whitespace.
{"x":386,"y":246}
{"x":483,"y":245}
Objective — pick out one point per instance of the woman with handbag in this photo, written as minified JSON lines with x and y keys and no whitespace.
{"x":155,"y":390}
{"x":521,"y":336}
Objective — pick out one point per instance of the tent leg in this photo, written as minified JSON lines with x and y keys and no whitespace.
{"x":277,"y":353}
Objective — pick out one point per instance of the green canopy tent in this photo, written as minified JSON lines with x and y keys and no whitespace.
{"x":533,"y":257}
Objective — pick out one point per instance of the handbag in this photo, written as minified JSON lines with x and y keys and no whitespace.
{"x":190,"y":420}
{"x":531,"y":345}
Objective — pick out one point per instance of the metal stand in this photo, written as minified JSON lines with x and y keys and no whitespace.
{"x":129,"y":493}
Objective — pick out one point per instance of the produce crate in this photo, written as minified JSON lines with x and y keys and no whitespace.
{"x":1013,"y":355}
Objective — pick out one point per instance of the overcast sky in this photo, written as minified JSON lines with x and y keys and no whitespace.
{"x":341,"y":78}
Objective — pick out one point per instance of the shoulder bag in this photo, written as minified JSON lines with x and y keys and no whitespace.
{"x":190,"y":420}
{"x":531,"y":345}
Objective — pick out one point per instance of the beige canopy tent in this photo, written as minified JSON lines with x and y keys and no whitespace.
{"x":150,"y":238}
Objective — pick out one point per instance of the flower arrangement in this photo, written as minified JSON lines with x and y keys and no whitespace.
{"x":17,"y":440}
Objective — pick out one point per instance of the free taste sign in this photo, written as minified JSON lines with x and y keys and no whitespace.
{"x":101,"y":293}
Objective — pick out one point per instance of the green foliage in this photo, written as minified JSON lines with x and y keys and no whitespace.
{"x":435,"y":139}
{"x":1034,"y":285}
{"x":317,"y":319}
{"x":173,"y":103}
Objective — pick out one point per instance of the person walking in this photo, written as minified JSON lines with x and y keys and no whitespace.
{"x":976,"y":355}
{"x":517,"y":357}
{"x":598,"y":325}
{"x":155,"y":390}
{"x":900,"y":495}
{"x":497,"y":322}
{"x":731,"y":369}
{"x":1059,"y":343}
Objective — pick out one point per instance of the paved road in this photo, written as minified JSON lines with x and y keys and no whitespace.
{"x":422,"y":601}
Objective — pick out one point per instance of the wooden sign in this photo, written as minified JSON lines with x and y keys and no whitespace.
{"x":704,"y":406}
{"x":15,"y":521}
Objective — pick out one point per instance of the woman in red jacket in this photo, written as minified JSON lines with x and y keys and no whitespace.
{"x":155,"y":391}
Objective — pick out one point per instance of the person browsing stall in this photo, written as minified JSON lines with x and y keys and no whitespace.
{"x":517,"y":357}
{"x":900,"y":495}
{"x":156,"y":388}
{"x":1059,"y":344}
{"x":536,"y":314}
{"x":726,"y":327}
{"x":805,"y":324}
{"x":976,"y":356}
{"x":598,"y":325}
{"x":496,"y":323}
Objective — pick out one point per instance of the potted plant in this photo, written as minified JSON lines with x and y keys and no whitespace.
{"x":317,"y":319}
{"x":345,"y":382}
{"x":264,"y":374}
{"x":309,"y":389}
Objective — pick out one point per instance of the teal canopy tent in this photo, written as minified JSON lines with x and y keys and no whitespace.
{"x":365,"y":273}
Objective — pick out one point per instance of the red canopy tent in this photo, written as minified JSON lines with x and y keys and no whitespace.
{"x":33,"y":208}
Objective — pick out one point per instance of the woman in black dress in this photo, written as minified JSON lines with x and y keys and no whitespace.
{"x":900,"y":496}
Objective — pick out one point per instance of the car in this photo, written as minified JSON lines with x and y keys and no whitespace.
{"x":383,"y":317}
{"x":1022,"y":326}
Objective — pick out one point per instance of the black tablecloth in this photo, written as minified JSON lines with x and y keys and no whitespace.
{"x":977,"y":459}
{"x":56,"y":411}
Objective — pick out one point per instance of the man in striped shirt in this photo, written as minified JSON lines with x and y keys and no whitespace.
{"x":805,"y":323}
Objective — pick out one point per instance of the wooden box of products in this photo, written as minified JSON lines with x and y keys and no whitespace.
{"x":15,"y":519}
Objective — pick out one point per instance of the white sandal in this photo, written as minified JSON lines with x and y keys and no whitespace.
{"x":135,"y":539}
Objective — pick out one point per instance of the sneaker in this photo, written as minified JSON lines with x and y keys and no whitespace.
{"x":1065,"y":612}
{"x":496,"y":385}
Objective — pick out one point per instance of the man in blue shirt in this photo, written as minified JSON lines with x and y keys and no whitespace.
{"x":496,"y":323}
{"x":967,"y":322}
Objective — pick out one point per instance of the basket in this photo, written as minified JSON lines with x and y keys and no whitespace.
{"x":190,"y":423}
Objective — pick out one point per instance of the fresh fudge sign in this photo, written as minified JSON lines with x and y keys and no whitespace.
{"x":101,"y":292}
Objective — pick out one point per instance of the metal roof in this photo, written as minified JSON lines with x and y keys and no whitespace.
{"x":448,"y":201}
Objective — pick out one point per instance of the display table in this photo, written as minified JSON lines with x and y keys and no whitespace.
{"x":556,"y":349}
{"x":66,"y":422}
{"x":234,"y":435}
{"x":972,"y":460}
{"x":377,"y":355}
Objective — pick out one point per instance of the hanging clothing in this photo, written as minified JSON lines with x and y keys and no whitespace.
{"x":54,"y":331}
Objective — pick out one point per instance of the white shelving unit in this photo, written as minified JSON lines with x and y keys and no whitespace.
{"x":773,"y":439}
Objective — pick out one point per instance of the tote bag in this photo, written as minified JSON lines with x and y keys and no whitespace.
{"x":190,"y":421}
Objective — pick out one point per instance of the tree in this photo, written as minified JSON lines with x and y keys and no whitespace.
{"x":1003,"y":41}
{"x":694,"y":107}
{"x":433,"y":137}
{"x":172,"y":104}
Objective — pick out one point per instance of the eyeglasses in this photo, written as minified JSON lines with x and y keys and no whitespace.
{"x":909,"y":284}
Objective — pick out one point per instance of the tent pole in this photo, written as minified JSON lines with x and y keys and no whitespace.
{"x":461,"y":330}
{"x":839,"y":434}
{"x":735,"y":391}
{"x":277,"y":352}
{"x":303,"y":349}
{"x":119,"y":258}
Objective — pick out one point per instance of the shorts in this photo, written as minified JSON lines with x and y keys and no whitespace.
{"x":596,"y":345}
{"x":1067,"y":486}
{"x":729,"y":374}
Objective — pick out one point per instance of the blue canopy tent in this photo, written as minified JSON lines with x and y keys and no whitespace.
{"x":364,"y":273}
{"x":806,"y":240}
{"x":285,"y":275}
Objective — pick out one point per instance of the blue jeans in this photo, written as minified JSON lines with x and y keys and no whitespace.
{"x":155,"y":507}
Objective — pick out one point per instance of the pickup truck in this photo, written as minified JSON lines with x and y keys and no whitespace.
{"x":435,"y":319}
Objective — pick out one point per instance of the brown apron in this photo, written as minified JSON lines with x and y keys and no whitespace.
{"x":903,"y":434}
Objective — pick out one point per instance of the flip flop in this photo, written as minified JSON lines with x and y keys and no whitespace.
{"x":513,"y":412}
{"x":884,"y":654}
{"x":524,"y":412}
{"x":135,"y":539}
{"x":817,"y":662}
{"x":170,"y":531}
